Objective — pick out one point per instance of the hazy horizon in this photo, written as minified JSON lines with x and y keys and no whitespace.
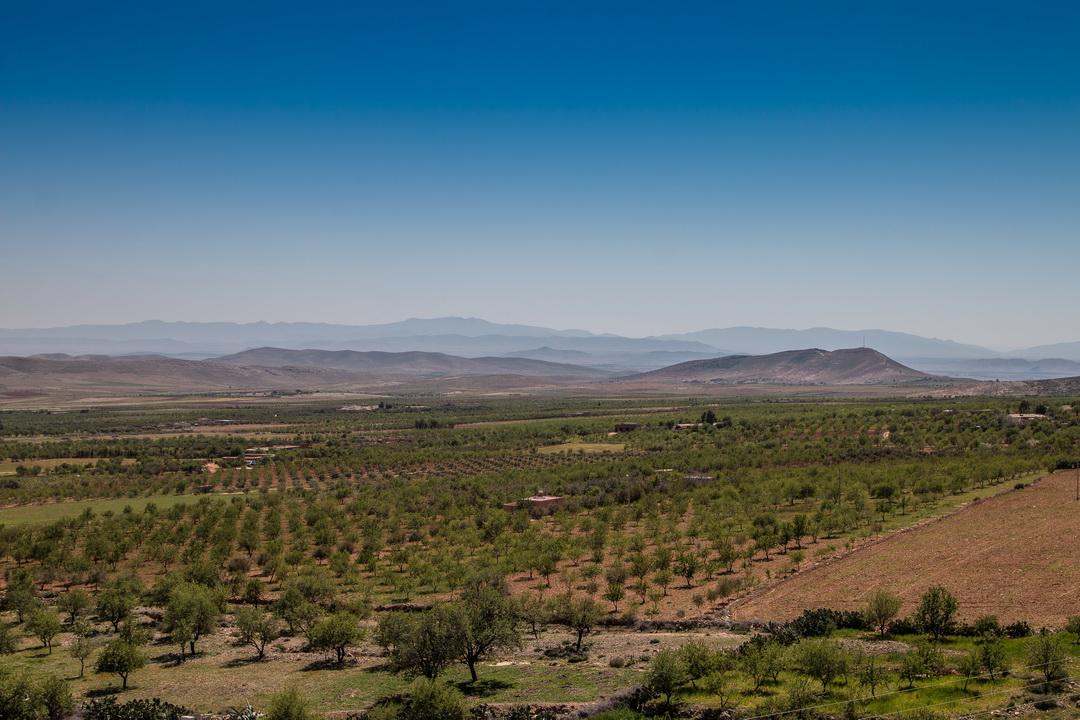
{"x":627,"y":169}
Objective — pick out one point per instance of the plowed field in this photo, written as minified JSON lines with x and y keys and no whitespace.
{"x":1015,"y":555}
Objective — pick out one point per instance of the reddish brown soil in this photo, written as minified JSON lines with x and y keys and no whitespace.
{"x":1015,"y":555}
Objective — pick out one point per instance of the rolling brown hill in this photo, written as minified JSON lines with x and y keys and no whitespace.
{"x":45,"y":374}
{"x":61,"y":376}
{"x":413,"y":364}
{"x":855,"y":366}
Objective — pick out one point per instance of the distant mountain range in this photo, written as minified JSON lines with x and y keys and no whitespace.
{"x":58,"y":378}
{"x":476,"y":338}
{"x":854,"y":366}
{"x":761,"y":341}
{"x":422,"y":364}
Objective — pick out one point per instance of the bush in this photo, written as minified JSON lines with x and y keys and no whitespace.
{"x":25,"y":696}
{"x":432,"y":700}
{"x":1018,"y":629}
{"x":288,"y":705}
{"x":109,"y":709}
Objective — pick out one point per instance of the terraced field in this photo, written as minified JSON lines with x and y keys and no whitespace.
{"x":1014,"y":555}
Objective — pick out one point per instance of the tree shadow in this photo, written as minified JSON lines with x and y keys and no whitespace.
{"x":483,"y":687}
{"x":244,"y":661}
{"x":103,"y":692}
{"x":327,"y":664}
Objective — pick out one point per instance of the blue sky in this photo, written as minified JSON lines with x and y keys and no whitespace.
{"x":623,"y":167}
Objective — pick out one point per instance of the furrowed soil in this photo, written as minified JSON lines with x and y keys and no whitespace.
{"x":1014,"y":555}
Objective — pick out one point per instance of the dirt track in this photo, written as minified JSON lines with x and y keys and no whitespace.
{"x":1015,"y":555}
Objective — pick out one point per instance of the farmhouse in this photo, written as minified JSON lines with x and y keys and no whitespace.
{"x":696,"y":480}
{"x":542,"y":502}
{"x":1023,"y":418}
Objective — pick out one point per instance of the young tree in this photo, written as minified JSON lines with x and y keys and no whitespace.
{"x":991,"y":655}
{"x":936,"y":612}
{"x":1073,"y":627}
{"x":486,"y":621}
{"x":45,"y":625}
{"x":115,"y":603}
{"x":120,"y":657}
{"x":881,"y":609}
{"x":578,"y":615}
{"x":823,"y":660}
{"x":423,"y":644}
{"x":193,"y":611}
{"x":870,"y":672}
{"x":19,"y":595}
{"x":666,"y":674}
{"x":336,"y":632}
{"x":687,"y":565}
{"x":75,"y":602}
{"x":969,"y":667}
{"x":257,"y":628}
{"x":54,"y":698}
{"x":82,"y":646}
{"x":1047,"y":655}
{"x":763,"y":661}
{"x":698,"y":659}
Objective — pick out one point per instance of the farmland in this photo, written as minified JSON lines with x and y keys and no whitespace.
{"x":1012,"y":555}
{"x":341,"y":533}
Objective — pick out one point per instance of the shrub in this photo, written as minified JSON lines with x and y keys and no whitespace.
{"x":432,"y":700}
{"x":108,"y":709}
{"x":288,"y":705}
{"x":1018,"y":629}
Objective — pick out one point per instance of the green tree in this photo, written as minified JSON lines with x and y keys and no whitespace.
{"x":75,"y":602}
{"x":578,"y":615}
{"x":193,"y":611}
{"x":45,"y":625}
{"x":486,"y":621}
{"x":666,"y":674}
{"x":1073,"y":627}
{"x":122,"y":658}
{"x":823,"y":660}
{"x":698,"y":659}
{"x":881,"y":609}
{"x":992,"y":655}
{"x":336,"y":632}
{"x":19,"y":595}
{"x":54,"y":698}
{"x":763,"y":661}
{"x":423,"y":644}
{"x":1046,"y":655}
{"x":257,"y":628}
{"x":115,"y":603}
{"x":936,"y":612}
{"x":969,"y":667}
{"x":82,"y":646}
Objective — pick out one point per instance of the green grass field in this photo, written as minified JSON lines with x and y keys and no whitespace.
{"x":45,"y":513}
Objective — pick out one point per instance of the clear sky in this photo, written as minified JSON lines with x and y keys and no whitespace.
{"x":621,"y":167}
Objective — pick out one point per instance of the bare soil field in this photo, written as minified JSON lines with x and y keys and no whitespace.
{"x":1014,"y":555}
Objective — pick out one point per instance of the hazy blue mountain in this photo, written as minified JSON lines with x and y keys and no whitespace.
{"x":614,"y":360}
{"x":215,"y":338}
{"x":408,"y":363}
{"x":1067,"y":350}
{"x":998,"y":368}
{"x":762,"y":341}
